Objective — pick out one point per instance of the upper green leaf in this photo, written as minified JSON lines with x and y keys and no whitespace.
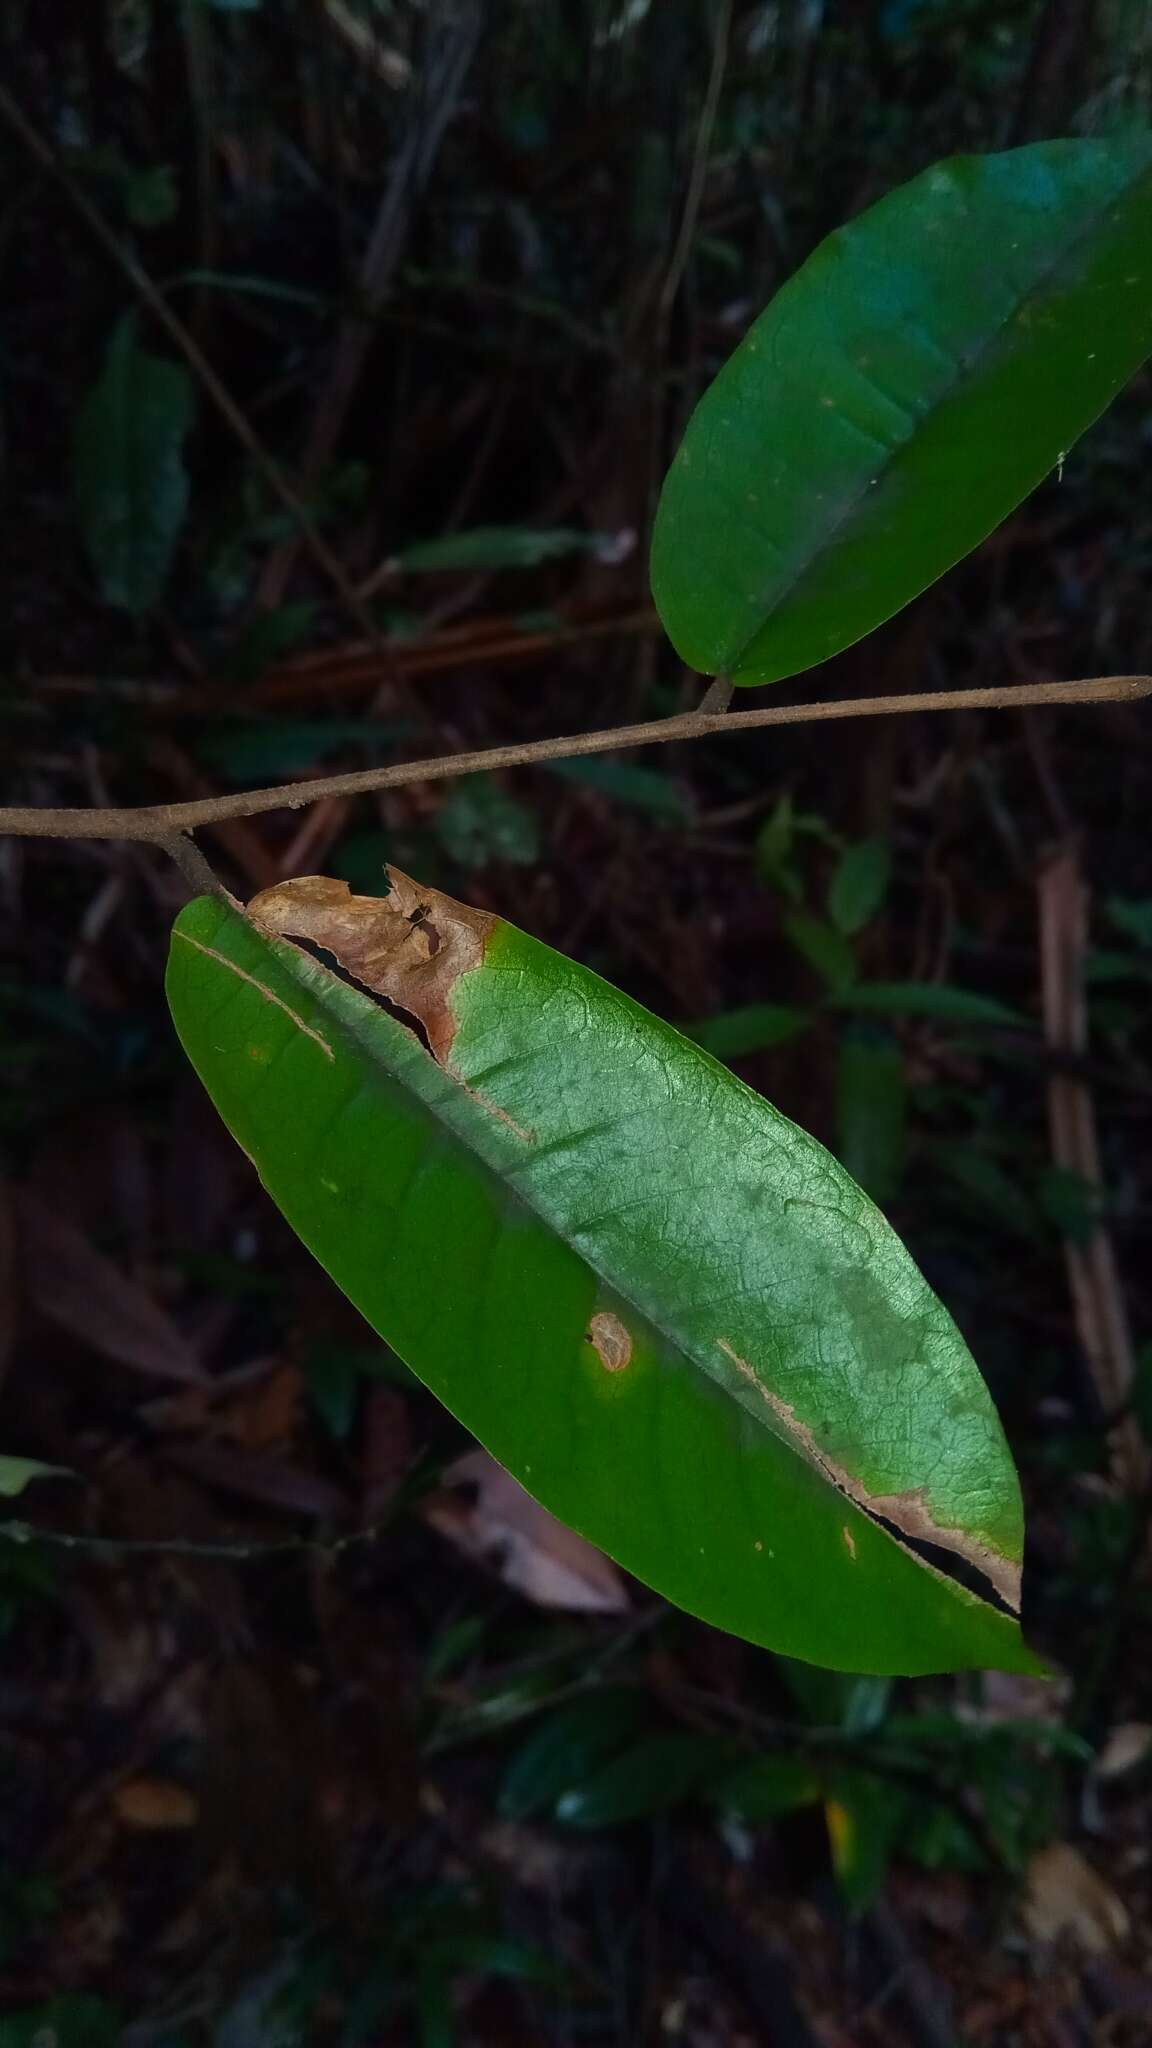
{"x":15,"y":1473}
{"x":661,"y":1305}
{"x":922,"y":371}
{"x":130,"y":481}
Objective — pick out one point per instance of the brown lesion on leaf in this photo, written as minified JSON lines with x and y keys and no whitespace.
{"x":407,"y":950}
{"x":610,"y":1340}
{"x":410,"y":947}
{"x":902,"y":1514}
{"x":849,"y":1540}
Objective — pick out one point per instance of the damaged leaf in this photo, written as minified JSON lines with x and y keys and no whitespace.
{"x":927,"y":366}
{"x":667,"y":1311}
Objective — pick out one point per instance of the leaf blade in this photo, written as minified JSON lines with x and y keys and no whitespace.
{"x":924,"y":369}
{"x":130,"y":484}
{"x":517,"y":1219}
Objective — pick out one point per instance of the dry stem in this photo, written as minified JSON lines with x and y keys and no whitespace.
{"x":159,"y":822}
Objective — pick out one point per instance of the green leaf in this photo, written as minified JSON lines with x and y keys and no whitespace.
{"x":15,"y":1474}
{"x":498,"y":547}
{"x":643,"y":789}
{"x":927,"y":999}
{"x":561,"y":1751}
{"x":480,"y":822}
{"x":767,"y":1786}
{"x":285,"y":746}
{"x":756,"y":1027}
{"x":653,"y":1775}
{"x":859,"y":884}
{"x":150,"y":196}
{"x":871,"y":1110}
{"x":923,"y":370}
{"x":831,"y":1699}
{"x":70,"y":2021}
{"x":130,"y":482}
{"x":665,"y":1309}
{"x":1133,"y":917}
{"x":990,"y":1191}
{"x":865,"y":1814}
{"x":824,"y":948}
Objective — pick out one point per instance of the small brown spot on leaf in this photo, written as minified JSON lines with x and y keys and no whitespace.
{"x":610,"y":1340}
{"x":849,"y":1541}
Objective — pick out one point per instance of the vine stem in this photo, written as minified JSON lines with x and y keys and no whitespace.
{"x":159,"y":823}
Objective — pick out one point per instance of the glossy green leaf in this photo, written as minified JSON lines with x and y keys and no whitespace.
{"x":130,"y":482}
{"x":923,"y":370}
{"x":664,"y":1308}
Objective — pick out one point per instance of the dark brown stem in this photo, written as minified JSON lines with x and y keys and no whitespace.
{"x":158,"y":822}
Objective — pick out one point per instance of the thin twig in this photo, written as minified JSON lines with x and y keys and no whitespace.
{"x":151,"y":296}
{"x":158,"y":822}
{"x":410,"y":174}
{"x":179,"y":1546}
{"x":699,"y":172}
{"x":200,"y":877}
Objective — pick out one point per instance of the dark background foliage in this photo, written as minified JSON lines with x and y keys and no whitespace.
{"x":461,"y":272}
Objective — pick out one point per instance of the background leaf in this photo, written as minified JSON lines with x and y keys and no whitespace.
{"x":922,"y":371}
{"x":130,"y":482}
{"x":15,"y":1474}
{"x":648,"y":1778}
{"x":859,"y":884}
{"x":479,"y":822}
{"x":871,"y":1110}
{"x":936,"y":999}
{"x":565,"y":1747}
{"x":755,"y":1027}
{"x":499,"y":547}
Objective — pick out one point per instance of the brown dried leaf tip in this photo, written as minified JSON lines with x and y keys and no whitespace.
{"x":610,"y":1340}
{"x":904,"y":1515}
{"x":411,"y":947}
